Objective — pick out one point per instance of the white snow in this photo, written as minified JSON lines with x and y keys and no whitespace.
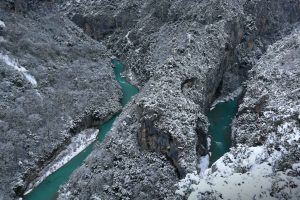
{"x":12,"y":63}
{"x":208,"y":142}
{"x":268,"y":171}
{"x":2,"y":24}
{"x":65,"y":195}
{"x":30,"y":78}
{"x":203,"y":164}
{"x":224,"y":178}
{"x":95,"y":197}
{"x":127,"y":37}
{"x":234,"y":186}
{"x":2,"y":39}
{"x":78,"y":144}
{"x":229,"y":97}
{"x":190,"y":37}
{"x":296,"y":167}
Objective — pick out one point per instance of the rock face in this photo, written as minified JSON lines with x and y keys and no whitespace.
{"x":265,"y":163}
{"x":156,"y":140}
{"x":54,"y":82}
{"x":182,"y":54}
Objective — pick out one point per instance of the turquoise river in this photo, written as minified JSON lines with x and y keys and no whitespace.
{"x":219,"y":118}
{"x":47,"y":190}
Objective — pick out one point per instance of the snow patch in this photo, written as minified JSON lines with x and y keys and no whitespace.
{"x":296,"y":167}
{"x":235,"y":186}
{"x":2,"y":24}
{"x":130,"y":76}
{"x":14,"y":64}
{"x":229,"y":97}
{"x":203,"y":164}
{"x":78,"y":144}
{"x":243,"y":173}
{"x":208,"y":142}
{"x":2,"y":39}
{"x":190,"y":37}
{"x":269,"y":171}
{"x":127,"y":38}
{"x":225,"y":180}
{"x":31,"y":79}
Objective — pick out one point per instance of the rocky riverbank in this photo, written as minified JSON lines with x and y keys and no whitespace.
{"x":54,"y":82}
{"x":183,"y":55}
{"x":265,"y":162}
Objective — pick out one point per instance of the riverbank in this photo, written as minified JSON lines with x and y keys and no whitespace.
{"x":78,"y":143}
{"x":49,"y":78}
{"x":58,"y":172}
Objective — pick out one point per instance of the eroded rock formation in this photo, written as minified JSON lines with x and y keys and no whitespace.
{"x":54,"y":82}
{"x":181,"y":54}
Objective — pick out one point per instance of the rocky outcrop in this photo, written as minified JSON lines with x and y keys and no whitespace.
{"x":264,"y":164}
{"x":54,"y":82}
{"x":181,"y":54}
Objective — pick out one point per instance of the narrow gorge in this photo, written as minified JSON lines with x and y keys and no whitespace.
{"x":48,"y":188}
{"x":217,"y":115}
{"x":220,"y":118}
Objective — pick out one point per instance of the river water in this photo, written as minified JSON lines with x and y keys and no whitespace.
{"x":47,"y":190}
{"x":220,"y":119}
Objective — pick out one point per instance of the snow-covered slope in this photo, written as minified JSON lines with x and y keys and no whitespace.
{"x":265,"y":163}
{"x":54,"y":83}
